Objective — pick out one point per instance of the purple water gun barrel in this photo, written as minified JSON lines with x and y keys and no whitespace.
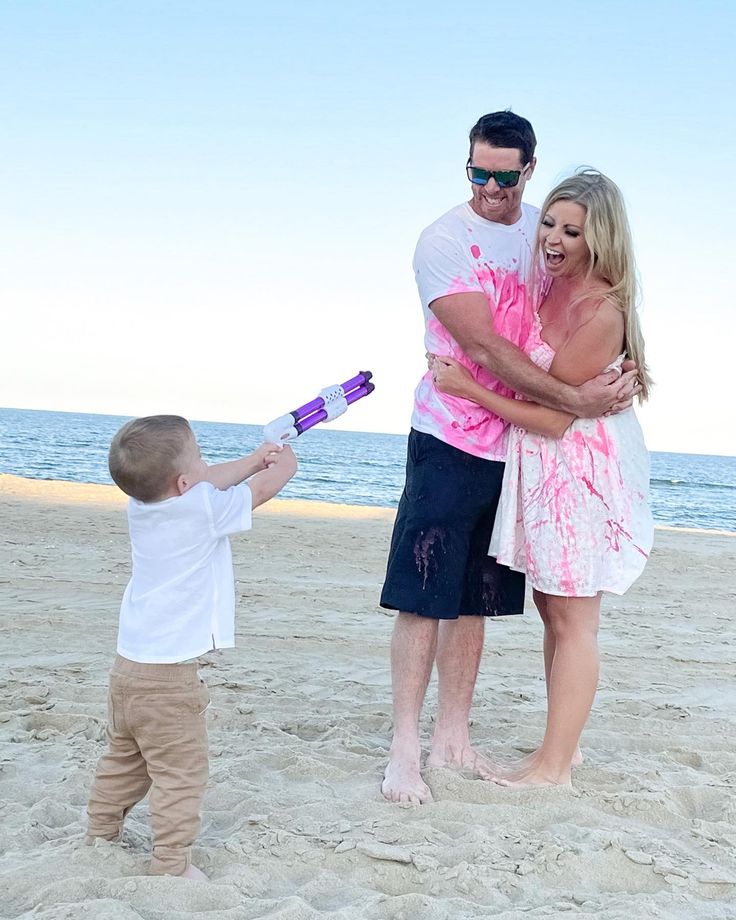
{"x":305,"y":423}
{"x":330,"y":404}
{"x":317,"y":403}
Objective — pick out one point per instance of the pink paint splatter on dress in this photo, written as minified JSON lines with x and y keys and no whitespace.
{"x":475,"y":251}
{"x":574,"y":514}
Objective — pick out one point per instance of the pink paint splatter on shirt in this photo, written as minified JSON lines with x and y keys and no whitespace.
{"x":447,"y":264}
{"x":462,"y":423}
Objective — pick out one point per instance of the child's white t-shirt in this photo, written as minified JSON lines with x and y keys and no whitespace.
{"x":180,"y":601}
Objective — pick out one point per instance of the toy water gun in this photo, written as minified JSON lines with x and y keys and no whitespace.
{"x":331,"y":402}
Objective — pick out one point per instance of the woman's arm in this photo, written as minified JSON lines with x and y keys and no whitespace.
{"x":596,"y":342}
{"x":452,"y":378}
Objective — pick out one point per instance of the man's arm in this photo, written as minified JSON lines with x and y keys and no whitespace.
{"x":466,"y":318}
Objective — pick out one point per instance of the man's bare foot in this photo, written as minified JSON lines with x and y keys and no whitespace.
{"x":402,"y":781}
{"x":462,"y":758}
{"x":195,"y":874}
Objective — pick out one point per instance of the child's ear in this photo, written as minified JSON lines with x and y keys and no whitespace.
{"x":182,"y":484}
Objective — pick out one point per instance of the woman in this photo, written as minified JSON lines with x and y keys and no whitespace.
{"x":574,"y":514}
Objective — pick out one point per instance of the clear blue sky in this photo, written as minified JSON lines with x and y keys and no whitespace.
{"x":210,"y":208}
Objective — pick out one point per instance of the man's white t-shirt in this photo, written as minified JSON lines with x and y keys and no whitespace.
{"x":462,"y":253}
{"x":180,"y":601}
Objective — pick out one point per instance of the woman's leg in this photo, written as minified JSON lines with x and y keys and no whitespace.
{"x":571,"y":668}
{"x":549,"y":645}
{"x":540,"y":602}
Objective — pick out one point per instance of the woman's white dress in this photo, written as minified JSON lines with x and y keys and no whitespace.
{"x":574,"y":512}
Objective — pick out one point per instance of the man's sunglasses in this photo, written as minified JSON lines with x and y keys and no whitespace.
{"x":505,"y":178}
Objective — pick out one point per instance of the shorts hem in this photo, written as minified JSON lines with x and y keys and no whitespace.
{"x":418,"y":611}
{"x":431,"y":615}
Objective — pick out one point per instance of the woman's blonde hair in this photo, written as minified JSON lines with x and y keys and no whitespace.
{"x":608,"y":237}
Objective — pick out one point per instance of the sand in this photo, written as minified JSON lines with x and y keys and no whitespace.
{"x":294,"y":825}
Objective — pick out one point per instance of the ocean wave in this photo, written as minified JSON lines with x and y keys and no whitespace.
{"x":690,"y":484}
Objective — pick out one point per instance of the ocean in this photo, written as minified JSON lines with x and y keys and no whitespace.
{"x":351,"y":467}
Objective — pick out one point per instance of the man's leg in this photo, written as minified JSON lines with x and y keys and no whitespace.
{"x":413,"y":648}
{"x":459,"y":651}
{"x":439,"y":565}
{"x":488,"y":590}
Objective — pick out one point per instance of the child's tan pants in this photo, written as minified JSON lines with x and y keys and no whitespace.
{"x":157,"y":739}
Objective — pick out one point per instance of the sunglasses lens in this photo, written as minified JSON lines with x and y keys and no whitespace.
{"x":507,"y":178}
{"x":478,"y":176}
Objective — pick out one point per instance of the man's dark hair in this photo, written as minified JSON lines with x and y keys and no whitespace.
{"x":505,"y":129}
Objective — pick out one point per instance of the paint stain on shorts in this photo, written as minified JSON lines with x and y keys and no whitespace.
{"x":428,"y":546}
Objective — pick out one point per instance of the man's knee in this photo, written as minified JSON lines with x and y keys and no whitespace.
{"x":414,"y":629}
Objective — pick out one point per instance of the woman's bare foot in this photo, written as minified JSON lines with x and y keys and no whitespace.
{"x":535,"y":778}
{"x":195,"y":874}
{"x":525,"y":763}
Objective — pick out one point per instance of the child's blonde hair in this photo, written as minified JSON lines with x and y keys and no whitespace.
{"x":608,"y":237}
{"x":145,"y":455}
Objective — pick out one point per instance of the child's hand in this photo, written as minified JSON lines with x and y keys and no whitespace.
{"x":285,"y":457}
{"x":269,"y":482}
{"x":266,"y":455}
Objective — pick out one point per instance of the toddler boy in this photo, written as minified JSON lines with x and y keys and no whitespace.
{"x":179,"y":604}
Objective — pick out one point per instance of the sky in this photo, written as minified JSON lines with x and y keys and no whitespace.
{"x":210,"y":208}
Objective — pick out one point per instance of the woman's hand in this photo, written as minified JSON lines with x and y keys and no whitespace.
{"x":451,"y":377}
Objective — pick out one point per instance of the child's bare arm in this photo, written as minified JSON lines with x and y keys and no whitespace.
{"x":224,"y":475}
{"x":269,"y":482}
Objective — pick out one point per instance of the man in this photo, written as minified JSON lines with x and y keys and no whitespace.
{"x":474,"y":271}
